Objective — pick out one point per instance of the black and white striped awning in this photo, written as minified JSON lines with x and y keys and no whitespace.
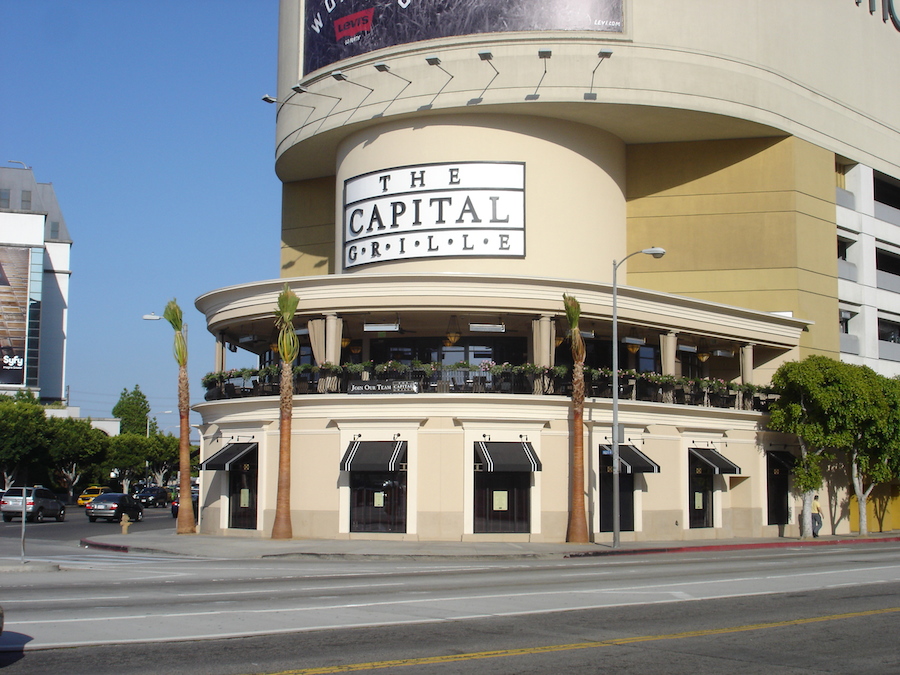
{"x":227,"y":456}
{"x":374,"y":456}
{"x":631,"y":460}
{"x":512,"y":456}
{"x":715,"y":461}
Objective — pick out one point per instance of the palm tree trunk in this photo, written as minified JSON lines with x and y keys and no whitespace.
{"x":577,"y":531}
{"x":282,"y":528}
{"x":185,"y":523}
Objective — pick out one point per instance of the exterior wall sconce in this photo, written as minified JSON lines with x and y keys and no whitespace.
{"x":436,"y":62}
{"x":603,"y":54}
{"x":487,"y":57}
{"x":544,"y":55}
{"x":385,"y":68}
{"x":340,"y":77}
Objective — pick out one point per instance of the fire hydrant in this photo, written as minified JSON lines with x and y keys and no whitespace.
{"x":126,"y":521}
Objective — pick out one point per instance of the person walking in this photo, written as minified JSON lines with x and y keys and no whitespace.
{"x":816,"y":516}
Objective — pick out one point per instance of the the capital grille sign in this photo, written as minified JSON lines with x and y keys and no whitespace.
{"x":455,"y":209}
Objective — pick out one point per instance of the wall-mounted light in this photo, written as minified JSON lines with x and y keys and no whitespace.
{"x":603,"y":54}
{"x":341,"y":77}
{"x":544,"y":55}
{"x":486,"y":56}
{"x":382,"y":67}
{"x":436,"y":62}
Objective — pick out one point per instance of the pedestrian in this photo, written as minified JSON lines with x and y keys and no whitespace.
{"x":816,"y":516}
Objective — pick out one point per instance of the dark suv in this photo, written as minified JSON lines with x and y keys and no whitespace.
{"x":40,"y":503}
{"x":154,"y":496}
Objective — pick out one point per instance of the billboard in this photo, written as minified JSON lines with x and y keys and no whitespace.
{"x":338,"y":29}
{"x":14,"y":267}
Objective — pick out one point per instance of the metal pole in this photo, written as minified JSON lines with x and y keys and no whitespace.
{"x":615,"y":407}
{"x":656,"y":252}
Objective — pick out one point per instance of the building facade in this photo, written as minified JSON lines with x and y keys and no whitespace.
{"x":34,"y":286}
{"x":449,"y":174}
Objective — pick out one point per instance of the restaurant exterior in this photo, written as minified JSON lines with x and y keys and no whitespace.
{"x":446,"y":185}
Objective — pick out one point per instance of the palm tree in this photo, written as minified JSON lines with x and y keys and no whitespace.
{"x":577,"y":530}
{"x":288,"y":346}
{"x":185,"y":523}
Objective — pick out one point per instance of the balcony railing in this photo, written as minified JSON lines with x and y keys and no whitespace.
{"x":523,"y":380}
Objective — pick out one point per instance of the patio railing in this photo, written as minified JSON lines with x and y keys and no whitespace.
{"x":650,"y":387}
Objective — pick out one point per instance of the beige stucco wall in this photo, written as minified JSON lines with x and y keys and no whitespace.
{"x":441,"y":431}
{"x":746,"y":222}
{"x":574,"y":183}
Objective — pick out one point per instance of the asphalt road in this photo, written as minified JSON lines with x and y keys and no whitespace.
{"x":76,"y":526}
{"x":810,"y":610}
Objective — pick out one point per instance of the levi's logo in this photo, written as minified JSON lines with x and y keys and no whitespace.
{"x":352,"y":24}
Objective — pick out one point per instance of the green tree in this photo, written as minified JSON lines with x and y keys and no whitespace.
{"x":837,"y":407}
{"x":74,"y":447}
{"x":23,"y":437}
{"x":134,"y":411}
{"x":126,"y":458}
{"x":288,"y":347}
{"x":185,"y":523}
{"x":162,"y":456}
{"x":577,"y":530}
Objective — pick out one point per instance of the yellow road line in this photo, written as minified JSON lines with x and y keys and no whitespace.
{"x":429,"y":660}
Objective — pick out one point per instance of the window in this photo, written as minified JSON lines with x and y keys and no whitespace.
{"x":887,"y":262}
{"x":26,"y":200}
{"x":843,"y":246}
{"x":888,"y":331}
{"x":54,"y":229}
{"x":4,"y":198}
{"x":887,"y":190}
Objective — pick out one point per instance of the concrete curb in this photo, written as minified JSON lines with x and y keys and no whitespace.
{"x":29,"y":566}
{"x":733,"y":547}
{"x":465,"y":552}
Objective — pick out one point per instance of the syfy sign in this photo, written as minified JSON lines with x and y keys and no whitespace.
{"x":460,"y":209}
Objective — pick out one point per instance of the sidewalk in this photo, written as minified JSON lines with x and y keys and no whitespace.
{"x":200,"y":545}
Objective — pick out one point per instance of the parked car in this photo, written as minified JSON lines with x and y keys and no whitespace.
{"x":195,"y":499}
{"x":90,"y":493}
{"x":40,"y":503}
{"x":112,"y":506}
{"x":154,"y":496}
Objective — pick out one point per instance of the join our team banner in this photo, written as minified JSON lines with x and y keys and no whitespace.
{"x":338,"y":29}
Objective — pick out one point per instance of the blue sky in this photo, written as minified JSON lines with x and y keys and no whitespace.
{"x":147,"y":119}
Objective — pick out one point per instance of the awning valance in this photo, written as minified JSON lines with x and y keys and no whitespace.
{"x":715,"y":460}
{"x":374,"y":456}
{"x":224,"y":458}
{"x":507,"y":456}
{"x":631,"y":460}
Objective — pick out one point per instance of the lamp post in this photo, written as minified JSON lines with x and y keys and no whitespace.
{"x":656,"y":252}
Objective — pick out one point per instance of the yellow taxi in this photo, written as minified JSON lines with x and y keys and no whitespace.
{"x":90,"y":493}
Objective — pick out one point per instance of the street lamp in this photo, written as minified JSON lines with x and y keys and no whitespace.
{"x":656,"y":252}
